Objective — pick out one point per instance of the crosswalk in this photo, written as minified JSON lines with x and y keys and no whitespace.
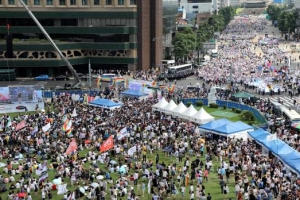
{"x":287,"y":101}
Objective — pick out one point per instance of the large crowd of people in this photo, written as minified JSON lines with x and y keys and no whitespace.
{"x":149,"y":154}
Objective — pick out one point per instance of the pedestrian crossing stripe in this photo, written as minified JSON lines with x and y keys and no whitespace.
{"x":287,"y":101}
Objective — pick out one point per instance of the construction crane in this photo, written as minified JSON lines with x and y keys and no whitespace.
{"x":71,"y":68}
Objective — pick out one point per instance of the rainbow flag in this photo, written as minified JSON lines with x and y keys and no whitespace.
{"x":112,"y":81}
{"x":65,"y":125}
{"x":119,"y":79}
{"x":106,"y":79}
{"x":154,"y":84}
{"x":70,"y":133}
{"x":98,"y":82}
{"x":172,"y":88}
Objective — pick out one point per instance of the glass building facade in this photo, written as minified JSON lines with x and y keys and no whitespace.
{"x":170,"y":10}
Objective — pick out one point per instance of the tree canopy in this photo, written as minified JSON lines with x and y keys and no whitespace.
{"x":287,"y":19}
{"x":187,"y":41}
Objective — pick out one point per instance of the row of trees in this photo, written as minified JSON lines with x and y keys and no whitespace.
{"x":187,"y":41}
{"x":287,"y":20}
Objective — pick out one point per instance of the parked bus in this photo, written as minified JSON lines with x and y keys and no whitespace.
{"x":167,"y":63}
{"x":180,"y":68}
{"x":7,"y":74}
{"x":292,"y":115}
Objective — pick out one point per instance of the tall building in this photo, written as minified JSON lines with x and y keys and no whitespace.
{"x":193,"y":7}
{"x":111,"y":34}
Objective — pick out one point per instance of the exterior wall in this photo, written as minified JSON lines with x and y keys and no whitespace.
{"x":202,"y":17}
{"x":196,"y":7}
{"x":119,"y":18}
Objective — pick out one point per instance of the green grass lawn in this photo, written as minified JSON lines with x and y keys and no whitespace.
{"x":212,"y":186}
{"x":220,"y":113}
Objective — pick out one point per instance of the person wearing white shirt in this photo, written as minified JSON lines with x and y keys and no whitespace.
{"x":192,"y":196}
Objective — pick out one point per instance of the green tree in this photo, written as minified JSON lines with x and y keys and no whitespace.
{"x":274,"y":11}
{"x":184,"y":43}
{"x":287,"y":21}
{"x":227,"y":14}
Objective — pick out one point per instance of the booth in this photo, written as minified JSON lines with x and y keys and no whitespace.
{"x":105,"y":103}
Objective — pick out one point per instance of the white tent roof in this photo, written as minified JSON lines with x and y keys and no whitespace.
{"x":162,"y":103}
{"x":179,"y":109}
{"x":189,"y":112}
{"x":201,"y":117}
{"x":170,"y":107}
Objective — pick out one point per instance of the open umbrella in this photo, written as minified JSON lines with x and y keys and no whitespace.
{"x":94,"y":185}
{"x":113,"y":162}
{"x":22,"y":195}
{"x":159,"y":166}
{"x":243,"y":95}
{"x":100,"y":177}
{"x":82,"y":190}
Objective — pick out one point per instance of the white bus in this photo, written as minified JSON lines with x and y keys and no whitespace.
{"x":167,"y":63}
{"x":180,"y":68}
{"x":293,"y":115}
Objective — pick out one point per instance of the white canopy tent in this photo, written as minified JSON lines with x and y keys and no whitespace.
{"x":161,"y":104}
{"x":201,"y":117}
{"x":179,"y":109}
{"x":170,"y":107}
{"x":188,"y":112}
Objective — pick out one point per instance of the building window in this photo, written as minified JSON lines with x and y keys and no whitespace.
{"x":121,"y":2}
{"x":25,"y":1}
{"x":49,"y":2}
{"x":108,"y":2}
{"x":132,"y":2}
{"x":37,"y":2}
{"x":62,"y":2}
{"x":96,"y":2}
{"x":84,"y":2}
{"x":72,"y":2}
{"x":195,"y":6}
{"x":11,"y":2}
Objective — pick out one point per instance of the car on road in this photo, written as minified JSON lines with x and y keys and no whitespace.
{"x":42,"y":77}
{"x":61,"y":78}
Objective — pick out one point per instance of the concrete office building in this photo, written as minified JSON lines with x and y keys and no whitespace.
{"x":112,"y":34}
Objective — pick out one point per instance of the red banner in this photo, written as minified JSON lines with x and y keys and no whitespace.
{"x":72,"y":147}
{"x":107,"y":145}
{"x":21,"y":125}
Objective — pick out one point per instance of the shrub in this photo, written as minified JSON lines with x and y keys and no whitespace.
{"x":233,"y":109}
{"x":247,"y":115}
{"x":213,"y":105}
{"x":238,"y":111}
{"x":199,"y":103}
{"x":224,"y":107}
{"x":188,"y":104}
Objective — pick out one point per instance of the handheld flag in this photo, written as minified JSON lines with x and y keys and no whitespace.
{"x":72,"y":147}
{"x":107,"y":144}
{"x":122,"y":133}
{"x":8,"y":122}
{"x":21,"y":125}
{"x":46,"y":127}
{"x":74,"y":114}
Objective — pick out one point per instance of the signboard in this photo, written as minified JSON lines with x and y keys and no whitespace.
{"x":21,"y":98}
{"x":140,"y":85}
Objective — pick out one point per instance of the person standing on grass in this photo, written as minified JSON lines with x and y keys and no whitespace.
{"x":208,"y":196}
{"x":205,"y":174}
{"x":182,"y":190}
{"x":187,"y":176}
{"x":225,"y":190}
{"x":192,"y":197}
